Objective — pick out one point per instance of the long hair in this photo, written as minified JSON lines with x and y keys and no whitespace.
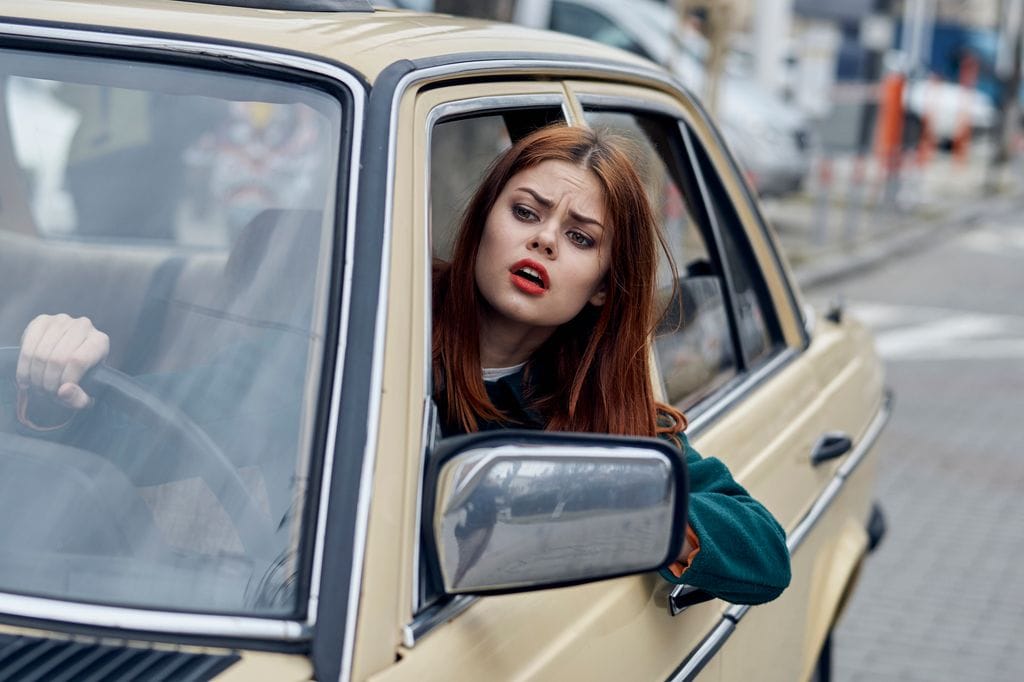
{"x":593,"y":373}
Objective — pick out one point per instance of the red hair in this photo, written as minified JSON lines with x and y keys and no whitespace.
{"x":593,"y":373}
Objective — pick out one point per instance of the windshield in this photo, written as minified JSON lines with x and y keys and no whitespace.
{"x":187,"y":216}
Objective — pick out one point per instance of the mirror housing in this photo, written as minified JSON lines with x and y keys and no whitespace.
{"x":515,"y":510}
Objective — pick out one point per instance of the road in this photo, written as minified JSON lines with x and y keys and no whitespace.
{"x":943,"y":597}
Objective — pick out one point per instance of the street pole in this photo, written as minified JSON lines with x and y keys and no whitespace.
{"x":1008,"y":71}
{"x":772,"y":24}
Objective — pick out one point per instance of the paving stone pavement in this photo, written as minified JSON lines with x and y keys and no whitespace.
{"x":943,"y":596}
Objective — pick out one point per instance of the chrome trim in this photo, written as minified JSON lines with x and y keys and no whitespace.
{"x":740,"y":390}
{"x":617,"y":102}
{"x":810,"y":320}
{"x":842,"y":475}
{"x":707,"y":649}
{"x":735,"y":612}
{"x":439,"y":112}
{"x":205,"y":624}
{"x":493,"y":102}
{"x":431,"y":618}
{"x":165,"y":622}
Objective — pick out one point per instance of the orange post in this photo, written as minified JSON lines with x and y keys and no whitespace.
{"x":889,"y":126}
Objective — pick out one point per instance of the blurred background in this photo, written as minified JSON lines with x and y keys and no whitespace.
{"x":884,"y":138}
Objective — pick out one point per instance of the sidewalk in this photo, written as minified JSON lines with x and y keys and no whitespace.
{"x":832,"y":230}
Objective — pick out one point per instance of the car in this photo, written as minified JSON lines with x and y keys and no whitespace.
{"x":772,"y":138}
{"x":252,"y":192}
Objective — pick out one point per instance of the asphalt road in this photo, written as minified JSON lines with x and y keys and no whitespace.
{"x":943,"y":597}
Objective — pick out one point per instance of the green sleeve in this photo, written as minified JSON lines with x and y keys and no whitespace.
{"x":743,"y":557}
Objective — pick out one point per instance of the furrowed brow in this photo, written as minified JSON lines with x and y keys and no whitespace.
{"x":543,"y":201}
{"x":548,"y":203}
{"x":584,"y":219}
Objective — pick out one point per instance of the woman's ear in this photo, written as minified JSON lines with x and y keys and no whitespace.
{"x":599,"y":296}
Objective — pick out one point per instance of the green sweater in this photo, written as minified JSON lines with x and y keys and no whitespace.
{"x":743,"y":557}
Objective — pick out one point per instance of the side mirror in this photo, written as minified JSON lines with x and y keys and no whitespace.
{"x":524,"y":510}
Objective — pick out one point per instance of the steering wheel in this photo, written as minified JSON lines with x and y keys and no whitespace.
{"x":134,"y":400}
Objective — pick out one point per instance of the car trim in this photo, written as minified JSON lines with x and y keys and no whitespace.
{"x":745,"y":384}
{"x":433,"y":616}
{"x":842,"y":475}
{"x":626,"y":104}
{"x":439,"y":112}
{"x":735,"y":612}
{"x":196,"y":623}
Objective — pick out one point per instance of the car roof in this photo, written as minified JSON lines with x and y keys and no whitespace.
{"x":367,"y":42}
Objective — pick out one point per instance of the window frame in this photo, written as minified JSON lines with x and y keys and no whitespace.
{"x":745,"y":254}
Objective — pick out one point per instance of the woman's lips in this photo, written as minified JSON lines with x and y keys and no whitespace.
{"x":530,"y":277}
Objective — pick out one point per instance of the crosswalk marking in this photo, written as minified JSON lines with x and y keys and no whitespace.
{"x":909,"y":333}
{"x":1006,"y":241}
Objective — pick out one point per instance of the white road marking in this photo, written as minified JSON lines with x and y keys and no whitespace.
{"x":910,"y":333}
{"x":1005,"y":241}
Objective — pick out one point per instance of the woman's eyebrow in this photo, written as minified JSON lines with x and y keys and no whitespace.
{"x":548,"y":203}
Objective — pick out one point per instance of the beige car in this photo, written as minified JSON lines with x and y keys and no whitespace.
{"x":247,"y":200}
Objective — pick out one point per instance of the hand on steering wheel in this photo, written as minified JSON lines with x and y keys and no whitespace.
{"x":63,"y":356}
{"x":56,"y":352}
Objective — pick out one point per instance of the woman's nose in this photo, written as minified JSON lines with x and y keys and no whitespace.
{"x":544,"y":241}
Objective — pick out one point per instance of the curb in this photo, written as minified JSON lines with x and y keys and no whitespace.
{"x":831,"y":269}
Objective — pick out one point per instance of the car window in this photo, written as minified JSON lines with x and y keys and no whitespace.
{"x":189,"y":214}
{"x":693,"y":344}
{"x":568,"y":17}
{"x":756,"y":324}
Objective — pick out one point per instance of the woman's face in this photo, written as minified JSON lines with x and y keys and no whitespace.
{"x":546,"y":246}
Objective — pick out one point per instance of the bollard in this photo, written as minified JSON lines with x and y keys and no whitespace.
{"x":824,"y":197}
{"x":855,"y":200}
{"x":889,"y":132}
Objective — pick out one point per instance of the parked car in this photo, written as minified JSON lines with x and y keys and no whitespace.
{"x":257,"y":194}
{"x":772,"y":138}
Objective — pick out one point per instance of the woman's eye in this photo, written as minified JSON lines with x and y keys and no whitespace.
{"x":580,"y":239}
{"x":522,"y":213}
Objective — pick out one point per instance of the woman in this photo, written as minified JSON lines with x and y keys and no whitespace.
{"x":543,"y":320}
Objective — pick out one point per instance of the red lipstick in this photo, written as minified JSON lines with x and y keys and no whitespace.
{"x":530,"y":277}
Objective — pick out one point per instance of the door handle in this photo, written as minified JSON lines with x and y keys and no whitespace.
{"x":831,"y":445}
